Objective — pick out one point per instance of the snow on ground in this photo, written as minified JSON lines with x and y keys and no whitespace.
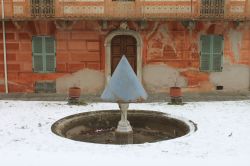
{"x":222,"y":138}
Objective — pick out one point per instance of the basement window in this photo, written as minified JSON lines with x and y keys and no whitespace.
{"x":45,"y":87}
{"x":219,"y":87}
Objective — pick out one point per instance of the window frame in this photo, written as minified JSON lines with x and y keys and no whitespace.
{"x":44,"y":55}
{"x":44,"y":86}
{"x":211,"y":53}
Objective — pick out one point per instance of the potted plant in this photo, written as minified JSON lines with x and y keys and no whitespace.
{"x":175,"y":93}
{"x":74,"y":92}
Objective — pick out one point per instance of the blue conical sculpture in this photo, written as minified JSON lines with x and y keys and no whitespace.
{"x":124,"y":86}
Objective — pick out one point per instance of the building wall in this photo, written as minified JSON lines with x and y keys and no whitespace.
{"x":170,"y":55}
{"x":173,"y":51}
{"x":78,"y":57}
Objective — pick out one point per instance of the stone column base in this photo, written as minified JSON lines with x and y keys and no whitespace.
{"x":124,"y":137}
{"x":124,"y":126}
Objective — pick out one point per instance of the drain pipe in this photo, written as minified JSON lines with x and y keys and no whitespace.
{"x":4,"y":51}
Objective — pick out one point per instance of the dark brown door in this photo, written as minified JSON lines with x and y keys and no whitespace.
{"x":123,"y":45}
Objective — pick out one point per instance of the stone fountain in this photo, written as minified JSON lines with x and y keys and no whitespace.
{"x":124,"y":88}
{"x":112,"y":126}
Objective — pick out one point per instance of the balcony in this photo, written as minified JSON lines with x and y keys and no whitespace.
{"x":211,"y":9}
{"x":128,"y":9}
{"x":42,"y":9}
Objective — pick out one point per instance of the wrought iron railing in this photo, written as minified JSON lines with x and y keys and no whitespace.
{"x":212,"y":8}
{"x":42,"y":8}
{"x":136,"y":10}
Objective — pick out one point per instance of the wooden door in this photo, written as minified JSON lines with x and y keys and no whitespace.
{"x":123,"y":45}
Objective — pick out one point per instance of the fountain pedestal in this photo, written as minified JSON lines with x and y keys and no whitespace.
{"x":123,"y":88}
{"x":124,"y":132}
{"x":124,"y":125}
{"x":124,"y":138}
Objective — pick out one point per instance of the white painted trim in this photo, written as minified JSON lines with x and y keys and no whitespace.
{"x":107,"y":45}
{"x":4,"y":52}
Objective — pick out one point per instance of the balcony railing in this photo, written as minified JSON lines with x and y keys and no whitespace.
{"x":130,"y":10}
{"x":42,"y":8}
{"x":212,"y":9}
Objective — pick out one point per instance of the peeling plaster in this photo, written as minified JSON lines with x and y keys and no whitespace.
{"x":235,"y":39}
{"x":165,"y":44}
{"x":232,"y":78}
{"x":151,"y":33}
{"x":90,"y":81}
{"x":158,"y":78}
{"x":162,"y":39}
{"x":166,"y":39}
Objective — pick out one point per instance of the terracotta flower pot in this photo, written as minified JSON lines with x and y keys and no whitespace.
{"x":74,"y":92}
{"x":175,"y":92}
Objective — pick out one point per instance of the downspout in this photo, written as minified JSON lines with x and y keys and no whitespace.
{"x":4,"y":51}
{"x":248,"y":15}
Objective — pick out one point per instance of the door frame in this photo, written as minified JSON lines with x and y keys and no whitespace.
{"x":107,"y":45}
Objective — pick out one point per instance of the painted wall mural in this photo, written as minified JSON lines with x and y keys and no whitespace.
{"x":170,"y":55}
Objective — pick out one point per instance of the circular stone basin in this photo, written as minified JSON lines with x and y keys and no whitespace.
{"x":99,"y":126}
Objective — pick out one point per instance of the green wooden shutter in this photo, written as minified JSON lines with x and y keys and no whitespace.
{"x":50,"y":56}
{"x":37,"y":53}
{"x":217,"y":53}
{"x":39,"y":87}
{"x":44,"y":53}
{"x":211,"y":53}
{"x":50,"y":87}
{"x":205,"y":53}
{"x":45,"y":86}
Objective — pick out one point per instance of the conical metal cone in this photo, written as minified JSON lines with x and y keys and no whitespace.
{"x":124,"y":86}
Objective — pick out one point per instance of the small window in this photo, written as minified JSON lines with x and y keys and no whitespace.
{"x":45,"y":87}
{"x":44,"y":54}
{"x":211,"y":53}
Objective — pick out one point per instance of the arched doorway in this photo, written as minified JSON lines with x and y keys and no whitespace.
{"x":123,"y":45}
{"x":108,"y":52}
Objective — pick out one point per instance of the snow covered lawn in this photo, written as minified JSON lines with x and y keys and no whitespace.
{"x":222,"y":138}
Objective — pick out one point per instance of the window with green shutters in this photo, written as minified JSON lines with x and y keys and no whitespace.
{"x":44,"y":54}
{"x":211,"y":53}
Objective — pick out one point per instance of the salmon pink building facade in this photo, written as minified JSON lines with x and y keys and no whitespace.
{"x":51,"y":45}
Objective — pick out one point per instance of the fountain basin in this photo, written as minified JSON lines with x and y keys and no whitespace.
{"x":99,"y":126}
